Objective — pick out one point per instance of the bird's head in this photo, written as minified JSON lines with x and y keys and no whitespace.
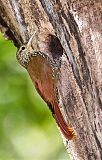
{"x":24,"y":52}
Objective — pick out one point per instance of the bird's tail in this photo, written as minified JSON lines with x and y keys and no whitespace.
{"x":68,"y":132}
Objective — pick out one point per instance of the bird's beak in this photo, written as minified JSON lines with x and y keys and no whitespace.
{"x":29,"y":47}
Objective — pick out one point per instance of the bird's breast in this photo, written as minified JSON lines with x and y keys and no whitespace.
{"x":42,"y":73}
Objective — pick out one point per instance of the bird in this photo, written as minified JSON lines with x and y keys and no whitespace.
{"x":43,"y":71}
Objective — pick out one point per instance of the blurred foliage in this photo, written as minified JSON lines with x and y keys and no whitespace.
{"x":27,"y":129}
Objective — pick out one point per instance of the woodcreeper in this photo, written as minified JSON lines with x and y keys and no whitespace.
{"x":42,"y":70}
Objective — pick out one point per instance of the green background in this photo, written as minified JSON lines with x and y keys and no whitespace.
{"x":27,"y":129}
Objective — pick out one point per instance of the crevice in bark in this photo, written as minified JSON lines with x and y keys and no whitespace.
{"x":74,"y":31}
{"x":8,"y":32}
{"x":98,"y":97}
{"x":98,"y":144}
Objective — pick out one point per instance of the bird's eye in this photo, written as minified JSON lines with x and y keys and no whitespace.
{"x":23,"y":48}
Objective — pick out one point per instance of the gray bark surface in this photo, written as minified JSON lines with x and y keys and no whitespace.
{"x":78,"y":25}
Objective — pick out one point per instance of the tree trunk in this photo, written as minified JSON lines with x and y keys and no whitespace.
{"x":78,"y":25}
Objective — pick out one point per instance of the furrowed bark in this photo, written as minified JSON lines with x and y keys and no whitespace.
{"x":78,"y":25}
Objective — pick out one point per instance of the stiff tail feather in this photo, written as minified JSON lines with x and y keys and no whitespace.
{"x":65,"y":129}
